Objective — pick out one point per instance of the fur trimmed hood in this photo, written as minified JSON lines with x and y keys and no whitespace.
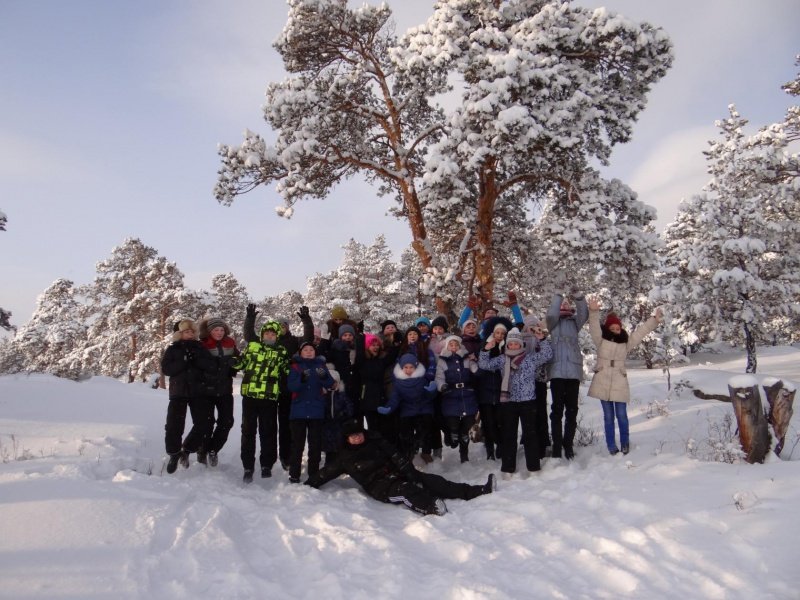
{"x":399,"y":374}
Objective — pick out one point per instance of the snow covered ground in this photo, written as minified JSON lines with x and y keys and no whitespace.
{"x":87,"y":512}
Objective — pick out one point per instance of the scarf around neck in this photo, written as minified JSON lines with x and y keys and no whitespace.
{"x":514,"y":359}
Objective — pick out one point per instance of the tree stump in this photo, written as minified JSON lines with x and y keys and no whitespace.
{"x":781,"y":398}
{"x":753,"y":431}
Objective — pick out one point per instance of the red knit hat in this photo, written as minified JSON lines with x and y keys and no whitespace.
{"x":612,"y":319}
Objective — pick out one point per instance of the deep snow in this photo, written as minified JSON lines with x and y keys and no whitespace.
{"x":87,"y":511}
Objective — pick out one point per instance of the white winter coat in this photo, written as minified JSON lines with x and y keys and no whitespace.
{"x":610,"y":381}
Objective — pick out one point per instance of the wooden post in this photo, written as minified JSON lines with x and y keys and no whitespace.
{"x":781,"y":399}
{"x":753,"y":431}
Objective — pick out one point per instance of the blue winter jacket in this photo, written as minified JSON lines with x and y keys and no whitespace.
{"x":567,"y":357}
{"x":457,"y":375}
{"x":308,"y":379}
{"x":409,"y":395}
{"x":522,"y":387}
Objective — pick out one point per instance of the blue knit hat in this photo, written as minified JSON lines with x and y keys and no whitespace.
{"x":424,"y":320}
{"x":408,"y":359}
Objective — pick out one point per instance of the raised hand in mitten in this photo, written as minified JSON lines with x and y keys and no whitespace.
{"x":251,"y":311}
{"x":512,"y":300}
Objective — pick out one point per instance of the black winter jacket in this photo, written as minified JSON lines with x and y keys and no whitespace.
{"x":189,"y":367}
{"x":374,"y":465}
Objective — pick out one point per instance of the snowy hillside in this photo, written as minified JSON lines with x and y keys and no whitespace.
{"x":87,"y":511}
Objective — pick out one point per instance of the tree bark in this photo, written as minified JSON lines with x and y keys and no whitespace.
{"x":753,"y":432}
{"x":781,"y":409}
{"x":703,"y":396}
{"x":484,"y":263}
{"x":750,"y":346}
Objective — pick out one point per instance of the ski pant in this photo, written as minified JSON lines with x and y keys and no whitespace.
{"x":421,"y":494}
{"x":284,"y":429}
{"x":542,"y":426}
{"x":565,"y":403}
{"x":259,"y":416}
{"x":438,"y":426}
{"x":415,"y":434}
{"x":490,"y":421}
{"x":458,"y":434}
{"x":301,"y":427}
{"x":222,"y":425}
{"x":176,"y":423}
{"x":512,"y":415}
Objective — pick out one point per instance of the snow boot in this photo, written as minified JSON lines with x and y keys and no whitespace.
{"x":248,"y":477}
{"x":463,"y":452}
{"x":183,"y":459}
{"x":202,"y":457}
{"x":172,"y":463}
{"x":213,"y":459}
{"x":490,"y":485}
{"x":569,"y":453}
{"x":266,"y":472}
{"x":626,"y":449}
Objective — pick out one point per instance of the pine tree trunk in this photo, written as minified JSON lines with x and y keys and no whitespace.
{"x":753,"y":431}
{"x":781,"y":409}
{"x":484,"y":258}
{"x":750,"y":346}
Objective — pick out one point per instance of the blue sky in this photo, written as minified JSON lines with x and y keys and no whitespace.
{"x":111,"y":112}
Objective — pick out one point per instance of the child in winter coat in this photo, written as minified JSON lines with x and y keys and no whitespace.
{"x":412,"y":397}
{"x":187,"y":365}
{"x":413,"y":343}
{"x":264,"y":365}
{"x":439,"y":335}
{"x":215,"y":335}
{"x":610,"y":381}
{"x":470,"y":338}
{"x":517,"y":395}
{"x":566,"y":369}
{"x":489,"y":389}
{"x":533,"y":326}
{"x":308,"y":380}
{"x":455,"y":380}
{"x":372,"y":361}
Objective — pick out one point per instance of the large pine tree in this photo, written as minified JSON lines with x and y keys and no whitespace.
{"x":732,"y":265}
{"x":548,"y":87}
{"x":133,"y":303}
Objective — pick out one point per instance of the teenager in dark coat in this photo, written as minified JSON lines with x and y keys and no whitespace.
{"x":371,"y":363}
{"x":187,"y":364}
{"x":215,"y":336}
{"x":389,"y":476}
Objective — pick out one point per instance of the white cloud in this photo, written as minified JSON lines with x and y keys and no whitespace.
{"x":26,"y":158}
{"x":672,"y":170}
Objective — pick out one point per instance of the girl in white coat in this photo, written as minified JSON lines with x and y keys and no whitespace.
{"x":610,"y":381}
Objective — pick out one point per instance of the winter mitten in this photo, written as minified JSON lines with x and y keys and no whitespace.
{"x":320,"y":371}
{"x":251,"y":311}
{"x":444,"y":388}
{"x":384,"y":410}
{"x":431,"y":387}
{"x":303,"y":313}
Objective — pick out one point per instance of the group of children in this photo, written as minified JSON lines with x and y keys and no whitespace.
{"x":420,"y":389}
